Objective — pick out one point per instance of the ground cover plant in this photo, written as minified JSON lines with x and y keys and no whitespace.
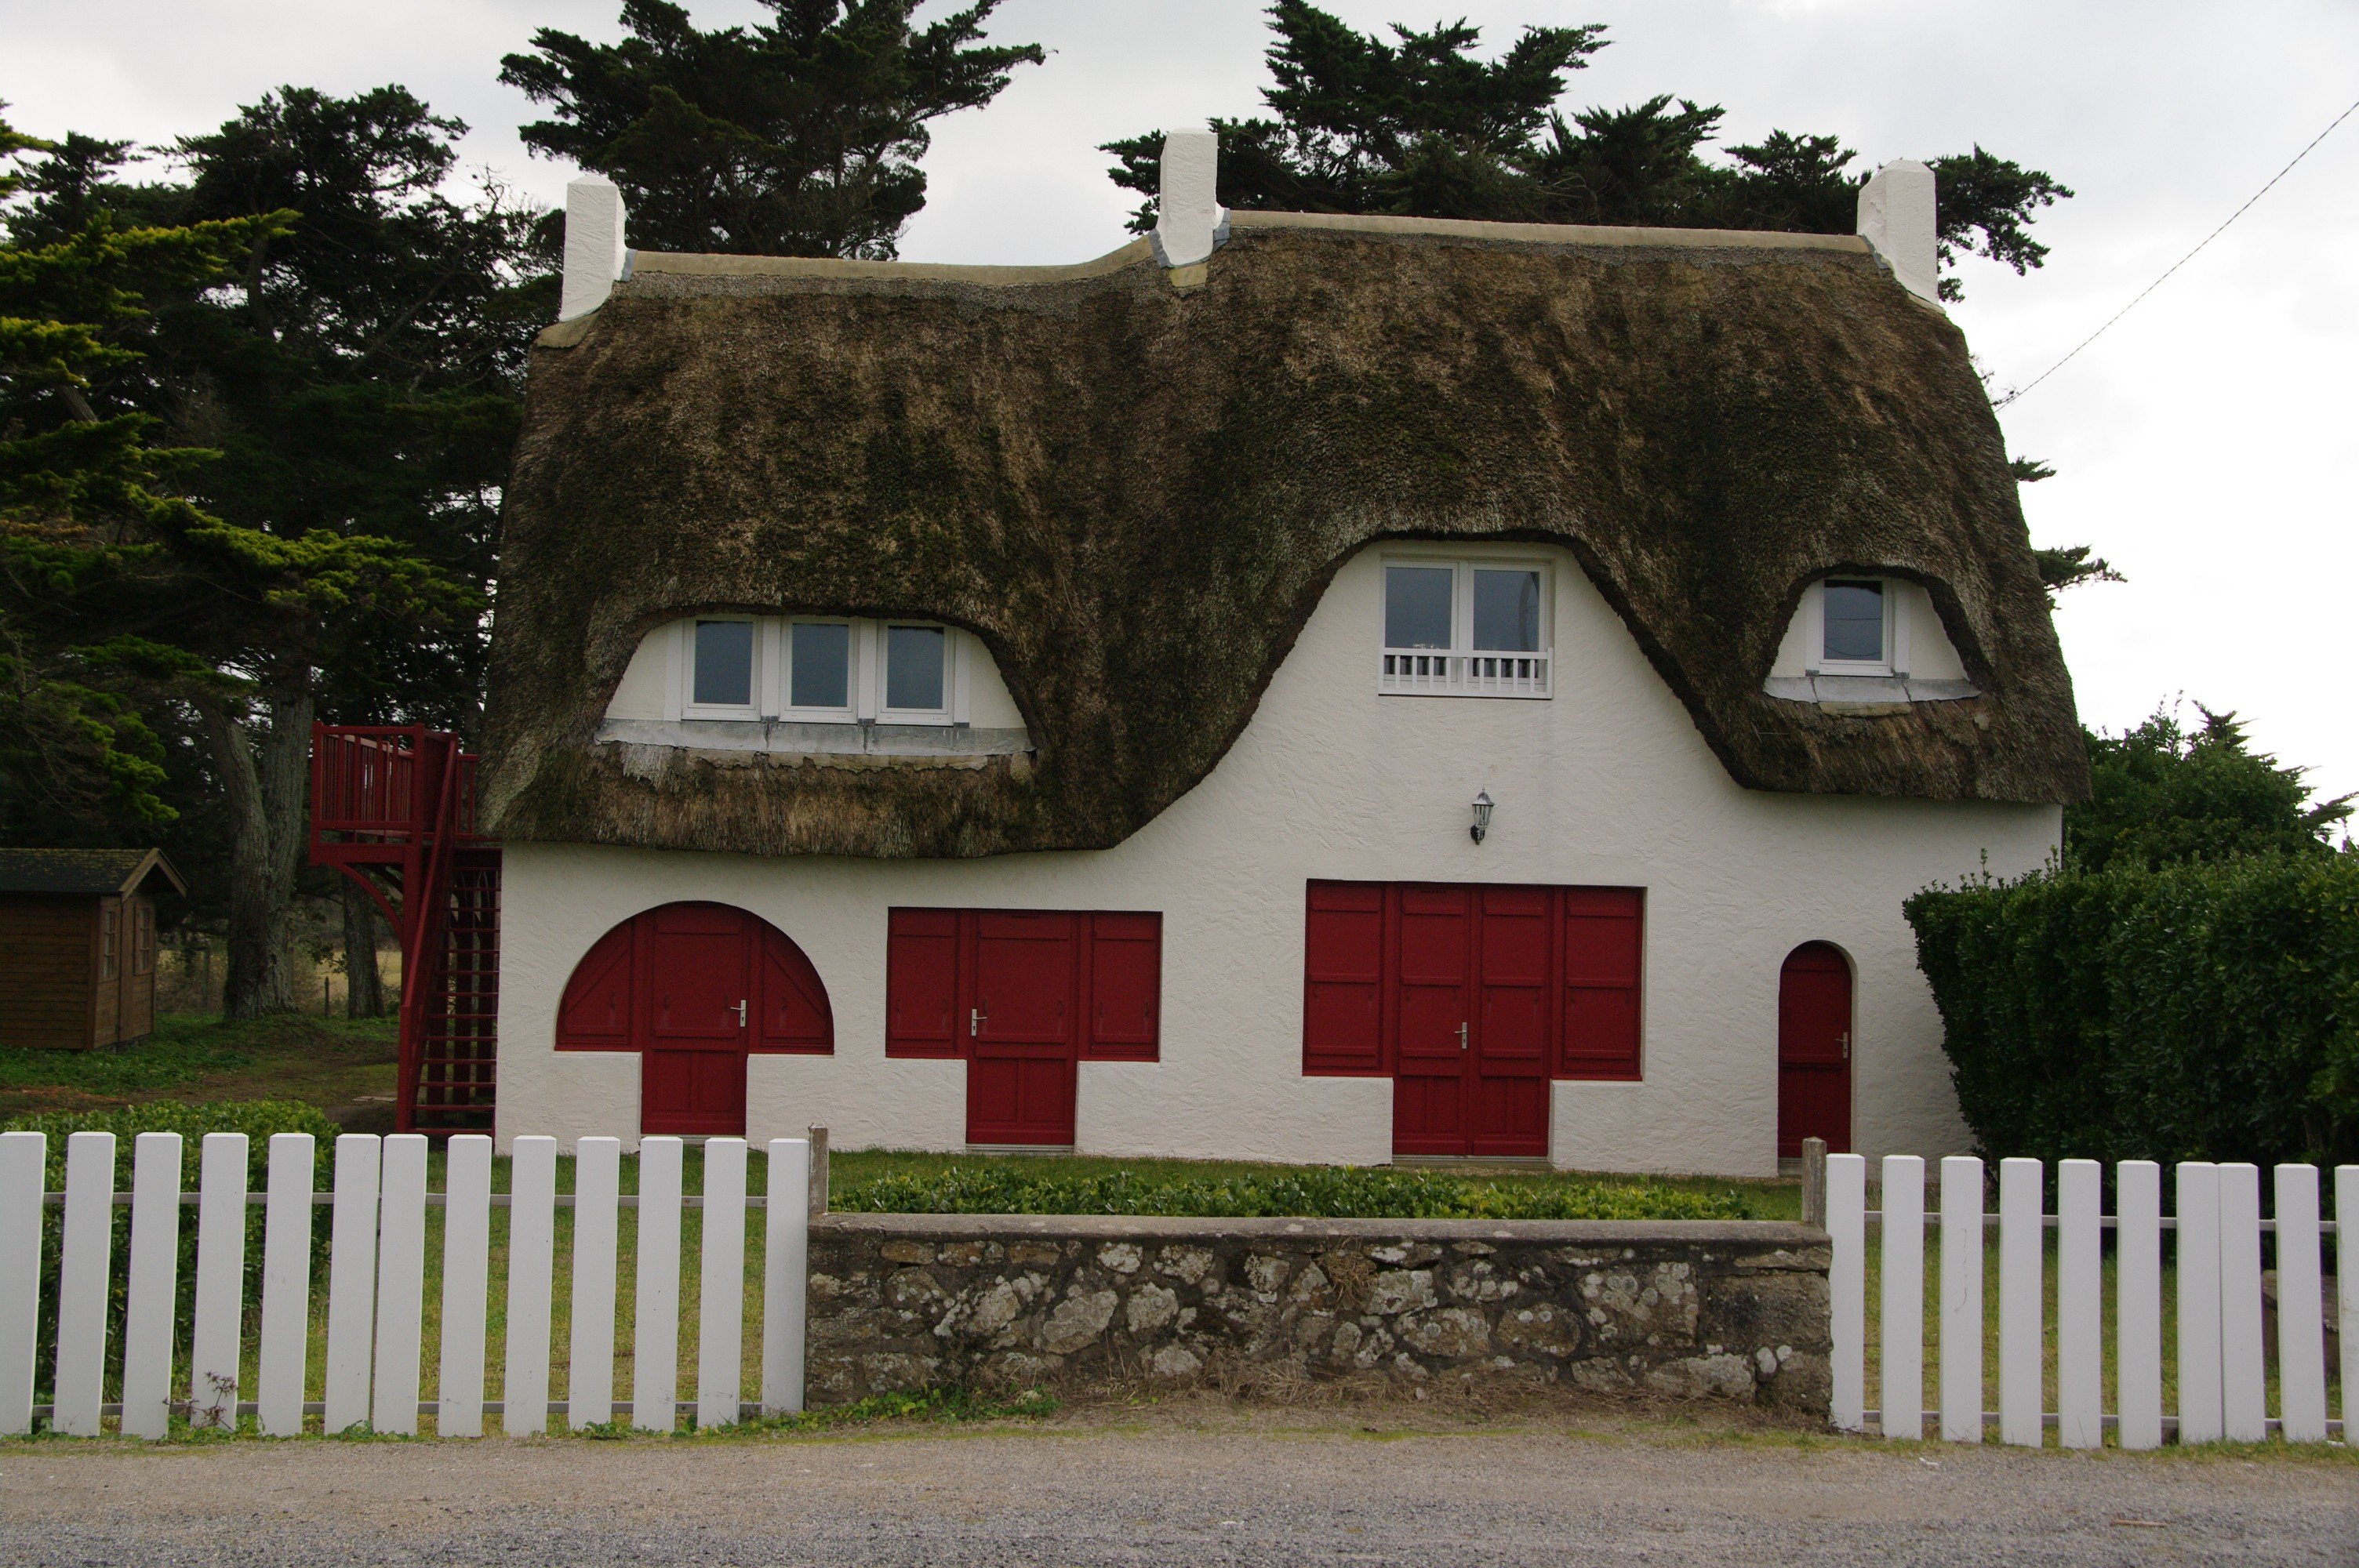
{"x":328,"y":1062}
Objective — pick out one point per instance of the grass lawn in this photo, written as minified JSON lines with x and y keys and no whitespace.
{"x":332,"y":1062}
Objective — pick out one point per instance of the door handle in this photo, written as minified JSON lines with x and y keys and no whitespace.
{"x":1846,"y":1045}
{"x":1462,"y":1037}
{"x":975,"y":1021}
{"x":741,"y":1015}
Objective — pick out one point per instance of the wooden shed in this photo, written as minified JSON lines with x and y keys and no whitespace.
{"x":78,"y":944}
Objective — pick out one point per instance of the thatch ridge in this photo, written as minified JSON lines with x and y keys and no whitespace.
{"x":1135,"y":495}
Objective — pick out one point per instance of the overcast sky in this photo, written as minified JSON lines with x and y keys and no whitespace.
{"x":2207,"y":445}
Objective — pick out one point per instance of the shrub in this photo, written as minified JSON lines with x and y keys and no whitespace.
{"x":257,"y":1119}
{"x":1341,"y":1192}
{"x":2194,"y":1012}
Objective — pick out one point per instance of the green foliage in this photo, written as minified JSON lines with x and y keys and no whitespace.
{"x":1327,"y":1193}
{"x":797,"y":137}
{"x":258,"y":1119}
{"x":2163,"y":795}
{"x":2199,"y":1012}
{"x":945,"y":1405}
{"x":1419,"y":127}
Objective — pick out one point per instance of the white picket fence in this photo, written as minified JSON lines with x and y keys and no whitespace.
{"x":377,"y":1283}
{"x":2223,"y":1381}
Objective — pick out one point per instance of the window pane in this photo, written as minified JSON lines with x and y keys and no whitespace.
{"x":1417,"y":607}
{"x":1507,"y":610}
{"x":822,"y":666}
{"x":725,"y":662}
{"x":913,"y":668}
{"x":1854,"y":621}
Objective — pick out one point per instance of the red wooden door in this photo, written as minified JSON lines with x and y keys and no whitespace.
{"x":1815,"y":1049}
{"x":1023,"y":1042}
{"x":1508,"y":1061}
{"x":700,"y":979}
{"x":1433,"y":1022}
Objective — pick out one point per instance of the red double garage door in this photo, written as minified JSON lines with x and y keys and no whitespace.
{"x":1021,"y":996}
{"x":1470,"y":998}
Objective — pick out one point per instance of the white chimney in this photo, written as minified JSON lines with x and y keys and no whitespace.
{"x":594,"y":256}
{"x":1896,"y":216}
{"x":1189,"y":219}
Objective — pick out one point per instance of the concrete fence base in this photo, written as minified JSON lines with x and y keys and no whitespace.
{"x":1735,"y":1310}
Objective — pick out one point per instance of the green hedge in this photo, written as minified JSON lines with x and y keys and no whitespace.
{"x":1342,"y":1193}
{"x":2194,"y":1012}
{"x":257,"y":1119}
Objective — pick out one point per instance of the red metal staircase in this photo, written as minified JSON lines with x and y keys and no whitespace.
{"x":393,"y":807}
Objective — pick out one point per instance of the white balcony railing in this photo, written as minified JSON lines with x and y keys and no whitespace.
{"x":1425,"y":672}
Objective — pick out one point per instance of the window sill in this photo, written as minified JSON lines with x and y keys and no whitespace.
{"x":797,"y":738}
{"x":1881,"y":693}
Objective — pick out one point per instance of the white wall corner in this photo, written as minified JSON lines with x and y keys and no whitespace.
{"x":595,"y":255}
{"x":1190,"y":220}
{"x":1897,"y":217}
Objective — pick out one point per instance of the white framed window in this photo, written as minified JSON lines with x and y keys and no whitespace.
{"x":820,"y":670}
{"x":722,"y":677}
{"x":1852,"y":627}
{"x":1465,"y":627}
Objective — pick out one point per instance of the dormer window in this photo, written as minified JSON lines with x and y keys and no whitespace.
{"x":1856,"y":626}
{"x":1464,"y":628}
{"x":916,"y":660}
{"x":818,"y":668}
{"x":721,"y":681}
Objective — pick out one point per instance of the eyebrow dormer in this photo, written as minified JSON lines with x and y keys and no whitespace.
{"x":1867,"y":641}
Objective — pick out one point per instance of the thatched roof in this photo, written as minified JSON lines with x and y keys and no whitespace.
{"x":1135,"y":491}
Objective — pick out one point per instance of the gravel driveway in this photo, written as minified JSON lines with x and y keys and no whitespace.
{"x":1318,"y":1490}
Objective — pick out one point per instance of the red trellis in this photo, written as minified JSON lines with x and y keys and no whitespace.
{"x":393,"y":807}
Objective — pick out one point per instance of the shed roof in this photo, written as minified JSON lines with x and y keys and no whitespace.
{"x":97,"y":873}
{"x":1134,"y":488}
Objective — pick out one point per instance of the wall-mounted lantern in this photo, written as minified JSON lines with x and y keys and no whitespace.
{"x":1482,"y":817}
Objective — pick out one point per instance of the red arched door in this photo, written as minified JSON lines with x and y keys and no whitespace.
{"x":1815,"y":1049}
{"x":695,"y":989}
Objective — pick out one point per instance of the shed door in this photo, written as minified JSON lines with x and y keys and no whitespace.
{"x":1815,"y":1049}
{"x":1020,"y":1076}
{"x":700,"y":985}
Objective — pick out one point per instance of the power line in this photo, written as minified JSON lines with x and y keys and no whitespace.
{"x":2182,"y":262}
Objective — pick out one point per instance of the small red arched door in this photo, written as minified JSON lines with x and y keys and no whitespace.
{"x":694,"y":989}
{"x":1815,"y":1049}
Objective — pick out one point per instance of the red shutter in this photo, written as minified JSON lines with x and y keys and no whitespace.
{"x":1602,"y":945}
{"x":921,"y":990}
{"x":1125,"y":980}
{"x":595,"y":1014}
{"x":791,"y":1013}
{"x":1343,"y":978}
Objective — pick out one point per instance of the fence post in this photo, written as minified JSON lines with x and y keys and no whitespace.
{"x":2346,"y":1290}
{"x":1847,"y":1288}
{"x":23,"y":1159}
{"x":2137,"y":1283}
{"x":401,"y":1283}
{"x":590,"y":1384}
{"x":2244,"y":1397}
{"x":786,"y":1255}
{"x":532,"y":1255}
{"x":2080,"y":1304}
{"x":819,"y":1177}
{"x":721,"y":1311}
{"x":217,"y":1341}
{"x":85,"y":1272}
{"x":1901,"y":1397}
{"x":2022,"y":1265}
{"x":2199,"y":1301}
{"x":1961,"y":1299}
{"x":153,"y":1286}
{"x":284,"y":1357}
{"x":1814,"y":1181}
{"x":351,"y":1280}
{"x":655,"y":1350}
{"x":466,"y":1285}
{"x":2302,"y":1308}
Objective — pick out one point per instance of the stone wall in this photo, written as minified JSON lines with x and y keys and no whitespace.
{"x":1685,"y":1308}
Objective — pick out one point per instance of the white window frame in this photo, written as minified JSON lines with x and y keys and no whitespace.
{"x":849,"y":711}
{"x":1896,"y":630}
{"x":773,"y":674}
{"x":691,"y":708}
{"x":1464,"y":670}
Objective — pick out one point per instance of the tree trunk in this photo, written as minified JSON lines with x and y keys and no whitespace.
{"x":364,"y":988}
{"x":263,"y":760}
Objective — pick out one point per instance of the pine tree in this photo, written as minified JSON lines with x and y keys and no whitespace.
{"x":798,"y":136}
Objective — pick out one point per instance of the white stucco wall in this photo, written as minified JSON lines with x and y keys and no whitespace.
{"x":1605,"y":783}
